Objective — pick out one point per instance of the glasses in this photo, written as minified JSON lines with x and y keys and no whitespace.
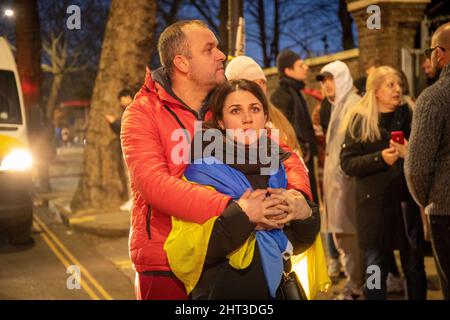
{"x":429,"y":51}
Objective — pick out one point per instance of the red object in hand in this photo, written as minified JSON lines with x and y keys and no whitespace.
{"x":397,"y":136}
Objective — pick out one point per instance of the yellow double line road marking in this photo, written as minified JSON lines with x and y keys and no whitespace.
{"x":67,"y":259}
{"x":123,"y":264}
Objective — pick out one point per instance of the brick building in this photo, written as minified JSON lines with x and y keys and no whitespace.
{"x":393,"y":43}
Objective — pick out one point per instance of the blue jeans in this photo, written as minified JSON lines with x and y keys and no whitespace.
{"x":413,"y":267}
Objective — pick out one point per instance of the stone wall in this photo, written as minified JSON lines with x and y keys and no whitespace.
{"x":400,"y":22}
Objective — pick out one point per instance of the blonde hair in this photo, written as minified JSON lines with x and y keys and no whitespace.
{"x":361,"y":121}
{"x":287,"y":132}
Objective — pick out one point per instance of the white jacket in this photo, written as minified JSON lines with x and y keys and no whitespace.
{"x":338,"y":188}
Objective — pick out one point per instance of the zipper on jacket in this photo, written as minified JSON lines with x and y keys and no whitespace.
{"x":183,"y":105}
{"x":179,"y":122}
{"x":147,"y":222}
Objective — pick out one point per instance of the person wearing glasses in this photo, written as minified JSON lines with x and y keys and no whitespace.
{"x":427,"y":165}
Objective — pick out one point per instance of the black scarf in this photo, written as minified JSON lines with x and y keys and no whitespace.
{"x":290,"y":82}
{"x":242,"y":154}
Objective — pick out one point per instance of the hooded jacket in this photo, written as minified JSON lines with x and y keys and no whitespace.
{"x":338,"y":188}
{"x":155,"y":127}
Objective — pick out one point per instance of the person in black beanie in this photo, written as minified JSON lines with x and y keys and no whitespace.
{"x":289,"y":100}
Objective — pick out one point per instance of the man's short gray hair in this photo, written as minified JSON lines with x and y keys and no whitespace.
{"x":173,"y":42}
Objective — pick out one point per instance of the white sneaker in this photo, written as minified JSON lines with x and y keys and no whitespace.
{"x":395,"y":283}
{"x":334,"y":268}
{"x":126,"y":206}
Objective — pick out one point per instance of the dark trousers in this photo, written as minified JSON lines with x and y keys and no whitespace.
{"x":312,"y":179}
{"x":440,"y":240}
{"x":392,"y":265}
{"x":413,"y":267}
{"x":331,"y":246}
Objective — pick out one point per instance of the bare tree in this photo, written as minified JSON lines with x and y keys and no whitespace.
{"x":257,"y":10}
{"x":215,"y":13}
{"x":168,"y":10}
{"x":61,"y":63}
{"x":297,"y":24}
{"x":70,"y":51}
{"x":167,"y":13}
{"x":125,"y":52}
{"x":209,"y":11}
{"x":346,"y":22}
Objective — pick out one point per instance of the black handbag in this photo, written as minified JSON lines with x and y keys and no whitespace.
{"x":290,"y":288}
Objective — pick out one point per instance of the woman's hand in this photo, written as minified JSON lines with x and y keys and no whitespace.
{"x":273,"y":218}
{"x":390,"y":156}
{"x":402,"y":149}
{"x":258,"y":208}
{"x":293,"y":204}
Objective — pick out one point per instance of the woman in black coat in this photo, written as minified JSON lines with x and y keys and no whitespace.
{"x":369,"y":154}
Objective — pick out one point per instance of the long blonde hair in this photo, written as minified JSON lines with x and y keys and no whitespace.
{"x":287,"y":132}
{"x":361,"y":121}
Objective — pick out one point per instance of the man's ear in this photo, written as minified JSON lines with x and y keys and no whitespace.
{"x":288,"y":72}
{"x":441,"y":55}
{"x":181,"y":63}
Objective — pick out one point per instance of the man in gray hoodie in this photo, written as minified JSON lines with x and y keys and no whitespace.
{"x":338,"y":188}
{"x":427,"y":166}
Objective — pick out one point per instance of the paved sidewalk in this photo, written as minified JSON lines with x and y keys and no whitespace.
{"x":64,"y":173}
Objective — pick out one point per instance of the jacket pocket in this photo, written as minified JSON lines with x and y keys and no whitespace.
{"x":148,"y":217}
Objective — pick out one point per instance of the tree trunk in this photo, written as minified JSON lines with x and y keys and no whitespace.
{"x":276,"y":31}
{"x":126,"y":49}
{"x":223,"y":31}
{"x":262,"y":33}
{"x":235,"y":10}
{"x":28,"y":44}
{"x":53,"y":97}
{"x":346,"y":22}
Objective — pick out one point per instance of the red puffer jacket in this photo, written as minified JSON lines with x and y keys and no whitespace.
{"x":158,"y":192}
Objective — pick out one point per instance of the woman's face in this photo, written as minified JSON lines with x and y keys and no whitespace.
{"x":244,"y":113}
{"x":389,"y":94}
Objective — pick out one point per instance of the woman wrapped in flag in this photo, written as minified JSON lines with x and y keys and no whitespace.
{"x":243,"y":256}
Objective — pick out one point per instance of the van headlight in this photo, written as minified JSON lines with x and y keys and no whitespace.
{"x":16,"y":160}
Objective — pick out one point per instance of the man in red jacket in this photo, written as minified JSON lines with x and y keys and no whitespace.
{"x":171,"y":99}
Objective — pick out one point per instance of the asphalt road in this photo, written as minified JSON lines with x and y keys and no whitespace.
{"x":47,"y":267}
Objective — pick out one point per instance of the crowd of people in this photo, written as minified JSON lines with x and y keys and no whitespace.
{"x":229,"y":218}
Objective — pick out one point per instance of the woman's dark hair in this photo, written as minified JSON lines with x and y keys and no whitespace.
{"x":217,"y":99}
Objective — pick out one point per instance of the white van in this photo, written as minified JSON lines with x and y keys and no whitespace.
{"x":16,"y":204}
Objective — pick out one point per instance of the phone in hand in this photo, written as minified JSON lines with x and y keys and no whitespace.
{"x":397,"y":136}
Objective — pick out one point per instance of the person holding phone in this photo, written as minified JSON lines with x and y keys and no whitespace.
{"x":386,"y":216}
